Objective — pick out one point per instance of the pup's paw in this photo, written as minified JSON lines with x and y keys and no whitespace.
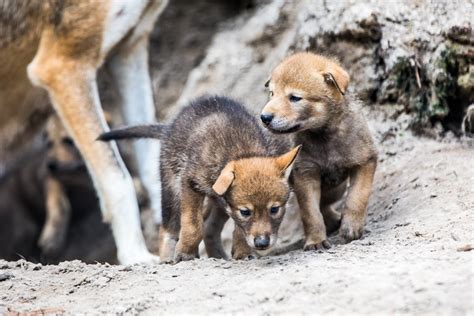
{"x":325,"y":244}
{"x":51,"y":243}
{"x":180,"y":256}
{"x":242,"y":253}
{"x":166,"y":260}
{"x":351,"y":229}
{"x":214,"y":249}
{"x":218,"y":254}
{"x":243,"y":256}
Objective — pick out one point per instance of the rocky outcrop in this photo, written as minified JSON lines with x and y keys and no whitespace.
{"x":414,"y":54}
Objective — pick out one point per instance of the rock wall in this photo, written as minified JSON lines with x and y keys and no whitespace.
{"x":415,"y":54}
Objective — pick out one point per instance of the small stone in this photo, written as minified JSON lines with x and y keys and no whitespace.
{"x":218,"y":294}
{"x":467,"y":247}
{"x":126,"y":269}
{"x":6,"y":276}
{"x":37,"y":267}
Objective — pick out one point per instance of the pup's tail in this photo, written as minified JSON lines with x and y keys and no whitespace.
{"x":139,"y":131}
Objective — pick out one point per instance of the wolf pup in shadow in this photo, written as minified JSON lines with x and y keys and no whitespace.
{"x":216,"y":162}
{"x":308,"y":98}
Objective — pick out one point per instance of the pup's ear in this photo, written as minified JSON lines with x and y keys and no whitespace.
{"x":285,"y":161}
{"x":225,"y":179}
{"x":337,"y":77}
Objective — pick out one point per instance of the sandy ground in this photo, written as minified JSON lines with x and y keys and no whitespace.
{"x":412,"y":258}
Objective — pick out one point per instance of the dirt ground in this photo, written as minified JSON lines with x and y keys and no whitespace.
{"x":414,"y":257}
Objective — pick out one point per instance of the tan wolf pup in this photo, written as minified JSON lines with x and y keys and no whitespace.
{"x":308,"y":97}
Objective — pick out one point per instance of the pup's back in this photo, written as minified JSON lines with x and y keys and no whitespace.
{"x":207,"y":134}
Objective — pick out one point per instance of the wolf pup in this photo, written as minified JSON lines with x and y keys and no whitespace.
{"x":216,"y":162}
{"x":308,"y":97}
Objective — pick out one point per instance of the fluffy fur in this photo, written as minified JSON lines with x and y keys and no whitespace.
{"x":309,"y":100}
{"x":216,"y":162}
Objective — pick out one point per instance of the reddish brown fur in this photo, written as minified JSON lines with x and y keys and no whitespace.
{"x":267,"y":174}
{"x":308,"y":97}
{"x":217,"y":162}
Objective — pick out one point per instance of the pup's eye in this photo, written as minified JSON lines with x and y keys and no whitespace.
{"x":274,"y":210}
{"x":68,"y":141}
{"x":245,"y":212}
{"x":294,"y":98}
{"x":270,"y":94}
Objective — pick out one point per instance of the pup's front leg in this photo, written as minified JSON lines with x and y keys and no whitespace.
{"x":329,"y":196}
{"x":191,"y":225}
{"x":240,"y":249}
{"x":308,"y":193}
{"x":353,"y":218}
{"x":58,"y":212}
{"x":213,"y":226}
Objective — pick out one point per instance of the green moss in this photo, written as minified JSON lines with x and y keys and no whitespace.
{"x":445,"y":84}
{"x":413,"y":89}
{"x":430,"y":98}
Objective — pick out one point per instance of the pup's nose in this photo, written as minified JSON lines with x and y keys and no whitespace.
{"x":261,"y":242}
{"x":52,"y":165}
{"x":266,"y":118}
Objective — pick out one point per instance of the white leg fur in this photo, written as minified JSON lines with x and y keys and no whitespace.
{"x":111,"y":179}
{"x":121,"y":17}
{"x":77,"y":102}
{"x":129,"y":67}
{"x":131,"y":76}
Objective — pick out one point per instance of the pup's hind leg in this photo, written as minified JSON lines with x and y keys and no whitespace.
{"x":168,"y":239}
{"x":129,"y":68}
{"x":332,"y":218}
{"x":191,"y":232}
{"x":65,"y":65}
{"x":58,"y":213}
{"x":169,"y":229}
{"x":213,"y":226}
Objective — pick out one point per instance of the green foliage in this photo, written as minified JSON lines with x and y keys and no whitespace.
{"x":430,"y":98}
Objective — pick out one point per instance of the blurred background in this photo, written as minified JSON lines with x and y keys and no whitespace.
{"x":411,"y":62}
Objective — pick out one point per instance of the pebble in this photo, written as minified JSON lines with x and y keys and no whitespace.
{"x":6,"y":276}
